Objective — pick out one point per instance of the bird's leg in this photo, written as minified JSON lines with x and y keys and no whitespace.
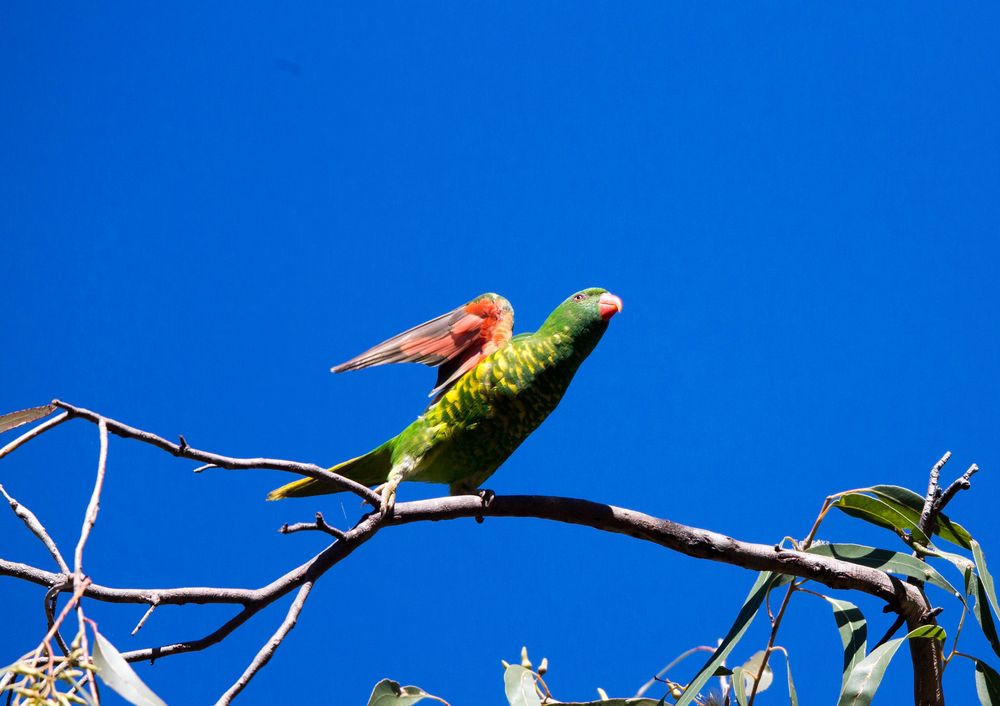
{"x":389,"y":495}
{"x":399,"y":471}
{"x":486,"y":495}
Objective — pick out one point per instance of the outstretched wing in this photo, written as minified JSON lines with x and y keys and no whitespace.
{"x":453,"y":342}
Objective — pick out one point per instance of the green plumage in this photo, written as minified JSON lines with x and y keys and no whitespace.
{"x":473,"y":427}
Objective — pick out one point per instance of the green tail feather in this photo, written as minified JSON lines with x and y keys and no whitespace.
{"x":370,"y":469}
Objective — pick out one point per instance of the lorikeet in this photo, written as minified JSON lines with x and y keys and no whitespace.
{"x":492,"y":391}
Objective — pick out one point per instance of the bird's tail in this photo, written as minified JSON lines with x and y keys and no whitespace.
{"x":370,"y":469}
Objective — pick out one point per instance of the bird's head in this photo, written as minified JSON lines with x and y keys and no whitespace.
{"x":587,"y":311}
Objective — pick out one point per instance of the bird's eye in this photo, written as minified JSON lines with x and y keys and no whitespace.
{"x":579,"y":297}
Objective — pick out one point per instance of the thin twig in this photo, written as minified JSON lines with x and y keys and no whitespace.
{"x":33,"y":432}
{"x":319,"y":524}
{"x":963,"y":482}
{"x":663,"y":672}
{"x":268,"y":650}
{"x":185,"y":451}
{"x":33,"y":524}
{"x":145,"y":617}
{"x":95,"y":500}
{"x":49,"y":604}
{"x":770,"y":641}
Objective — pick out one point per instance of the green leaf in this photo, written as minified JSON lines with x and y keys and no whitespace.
{"x":984,"y":576}
{"x":885,"y":560}
{"x":765,"y":581}
{"x":867,"y":674}
{"x":880,"y":513}
{"x":752,"y":666}
{"x":739,"y":682}
{"x":853,"y":630}
{"x":793,"y":697}
{"x":13,"y":420}
{"x":983,"y":589}
{"x":987,"y":684}
{"x":911,"y":504}
{"x":519,"y":685}
{"x":390,"y":693}
{"x":117,"y":674}
{"x":981,"y":609}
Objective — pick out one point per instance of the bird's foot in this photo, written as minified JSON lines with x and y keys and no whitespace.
{"x":388,"y":493}
{"x":486,"y":496}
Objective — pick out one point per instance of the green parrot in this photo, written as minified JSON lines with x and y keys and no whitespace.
{"x":492,"y":391}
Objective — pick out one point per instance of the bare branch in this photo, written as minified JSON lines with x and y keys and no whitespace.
{"x":963,"y":482}
{"x":148,"y":596}
{"x":933,"y":495}
{"x":144,"y":618}
{"x":36,"y":527}
{"x":320,"y":525}
{"x":694,"y":542}
{"x":185,"y":451}
{"x":310,"y":571}
{"x":95,"y":500}
{"x":268,"y":650}
{"x":33,"y":432}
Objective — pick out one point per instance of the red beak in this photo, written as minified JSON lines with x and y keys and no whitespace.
{"x":609,"y":305}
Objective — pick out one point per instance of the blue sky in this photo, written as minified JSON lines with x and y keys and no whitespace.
{"x":204,"y":208}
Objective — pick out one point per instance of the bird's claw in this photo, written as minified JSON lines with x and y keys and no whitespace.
{"x":388,"y":493}
{"x":486,"y":496}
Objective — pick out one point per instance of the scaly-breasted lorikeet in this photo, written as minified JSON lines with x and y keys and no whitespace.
{"x":492,"y":391}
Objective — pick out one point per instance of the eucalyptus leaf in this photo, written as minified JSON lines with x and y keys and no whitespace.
{"x":981,"y":609}
{"x":987,"y":684}
{"x":12,"y":420}
{"x":885,"y":560}
{"x":390,"y":693}
{"x":793,"y":697}
{"x":765,"y":581}
{"x":752,"y":666}
{"x":912,"y":505}
{"x":867,"y":674}
{"x":878,"y":512}
{"x":117,"y":674}
{"x":853,"y":630}
{"x":739,"y":682}
{"x":519,"y":685}
{"x":984,"y":576}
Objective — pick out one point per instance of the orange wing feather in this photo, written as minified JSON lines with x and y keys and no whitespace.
{"x":453,"y":342}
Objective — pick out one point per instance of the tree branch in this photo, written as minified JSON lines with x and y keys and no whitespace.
{"x":906,"y":599}
{"x":268,"y":650}
{"x":36,"y":527}
{"x":692,"y":541}
{"x":183,"y":450}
